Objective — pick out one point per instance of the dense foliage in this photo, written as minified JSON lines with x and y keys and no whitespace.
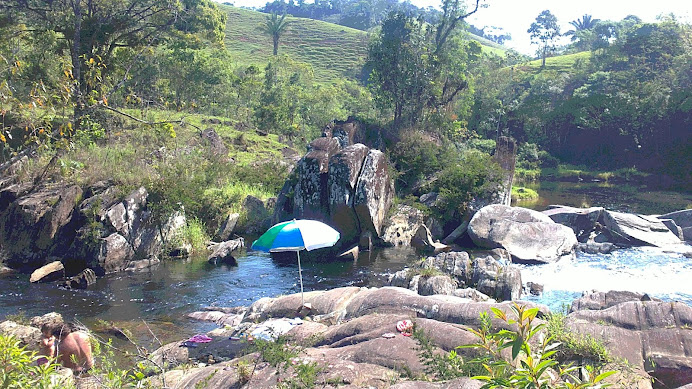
{"x":624,"y":104}
{"x":78,"y":85}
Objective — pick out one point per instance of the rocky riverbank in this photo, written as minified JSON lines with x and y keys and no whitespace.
{"x":349,"y":337}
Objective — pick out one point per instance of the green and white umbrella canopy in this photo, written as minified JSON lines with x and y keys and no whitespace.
{"x":296,"y":235}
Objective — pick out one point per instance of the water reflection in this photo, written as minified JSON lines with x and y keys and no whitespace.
{"x":164,"y":294}
{"x":616,"y":197}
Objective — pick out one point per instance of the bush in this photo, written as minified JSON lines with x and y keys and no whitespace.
{"x":530,"y":157}
{"x":19,"y":367}
{"x":519,"y":193}
{"x":415,"y":158}
{"x":486,"y":146}
{"x":475,"y":175}
{"x":532,"y":360}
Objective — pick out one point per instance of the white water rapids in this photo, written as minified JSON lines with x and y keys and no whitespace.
{"x":662,"y":273}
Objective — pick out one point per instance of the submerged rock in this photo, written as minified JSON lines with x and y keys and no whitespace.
{"x":223,"y":252}
{"x":83,"y":280}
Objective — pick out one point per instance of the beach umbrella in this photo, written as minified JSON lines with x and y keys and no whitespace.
{"x":297,"y":235}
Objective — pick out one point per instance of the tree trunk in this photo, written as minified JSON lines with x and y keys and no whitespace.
{"x":76,"y":63}
{"x":545,"y":52}
{"x":276,"y":45}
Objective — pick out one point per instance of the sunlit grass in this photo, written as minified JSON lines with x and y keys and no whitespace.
{"x":562,"y":63}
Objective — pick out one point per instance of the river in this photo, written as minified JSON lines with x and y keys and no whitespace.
{"x":162,"y":296}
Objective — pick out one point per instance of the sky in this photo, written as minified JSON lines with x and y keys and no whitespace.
{"x":516,"y":16}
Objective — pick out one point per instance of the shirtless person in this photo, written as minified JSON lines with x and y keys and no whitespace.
{"x":71,"y":348}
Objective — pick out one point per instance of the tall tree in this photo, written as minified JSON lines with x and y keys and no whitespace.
{"x":417,"y":66}
{"x":94,"y":30}
{"x":544,"y":31}
{"x":275,"y":27}
{"x":585,"y":23}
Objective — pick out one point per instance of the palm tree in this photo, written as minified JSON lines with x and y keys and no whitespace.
{"x":585,"y":23}
{"x":275,"y":26}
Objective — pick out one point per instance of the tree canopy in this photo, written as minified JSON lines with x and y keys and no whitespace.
{"x":544,"y":31}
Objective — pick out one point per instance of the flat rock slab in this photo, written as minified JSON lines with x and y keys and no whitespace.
{"x":459,"y":383}
{"x":639,"y":230}
{"x":50,"y":272}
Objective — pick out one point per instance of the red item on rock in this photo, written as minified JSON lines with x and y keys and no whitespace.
{"x":405,"y":327}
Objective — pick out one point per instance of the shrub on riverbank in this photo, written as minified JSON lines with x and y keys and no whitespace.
{"x":519,"y":193}
{"x":207,"y":177}
{"x":533,"y":355}
{"x":20,"y":368}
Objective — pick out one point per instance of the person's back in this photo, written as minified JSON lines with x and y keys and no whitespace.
{"x":71,"y":348}
{"x":74,"y":352}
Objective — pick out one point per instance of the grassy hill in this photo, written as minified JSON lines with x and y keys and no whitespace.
{"x":334,"y":51}
{"x":562,"y":63}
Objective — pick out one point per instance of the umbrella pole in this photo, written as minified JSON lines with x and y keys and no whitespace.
{"x":300,"y":275}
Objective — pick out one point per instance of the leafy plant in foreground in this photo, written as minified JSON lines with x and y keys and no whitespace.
{"x":532,"y":364}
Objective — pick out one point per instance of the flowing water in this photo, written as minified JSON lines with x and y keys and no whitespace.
{"x":162,"y":296}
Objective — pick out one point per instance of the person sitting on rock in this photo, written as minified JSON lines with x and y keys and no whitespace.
{"x":69,"y":346}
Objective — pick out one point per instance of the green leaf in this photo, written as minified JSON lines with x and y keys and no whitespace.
{"x":516,"y":347}
{"x":603,"y":376}
{"x":499,"y":314}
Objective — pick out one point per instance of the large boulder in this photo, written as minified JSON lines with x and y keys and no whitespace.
{"x":132,"y":219}
{"x":311,"y":193}
{"x":484,"y":272}
{"x":439,"y":284}
{"x":581,"y":220}
{"x":638,"y":230}
{"x":28,"y":336}
{"x":682,"y":219}
{"x":528,"y":235}
{"x":38,"y":225}
{"x":257,"y":215}
{"x":114,"y":253}
{"x":402,"y":225}
{"x":490,"y":277}
{"x":457,"y":264}
{"x":348,"y":188}
{"x":374,"y":193}
{"x":344,"y":169}
{"x":228,"y":226}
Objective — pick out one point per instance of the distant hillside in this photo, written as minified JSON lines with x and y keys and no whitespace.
{"x":561,"y":63}
{"x":334,"y":51}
